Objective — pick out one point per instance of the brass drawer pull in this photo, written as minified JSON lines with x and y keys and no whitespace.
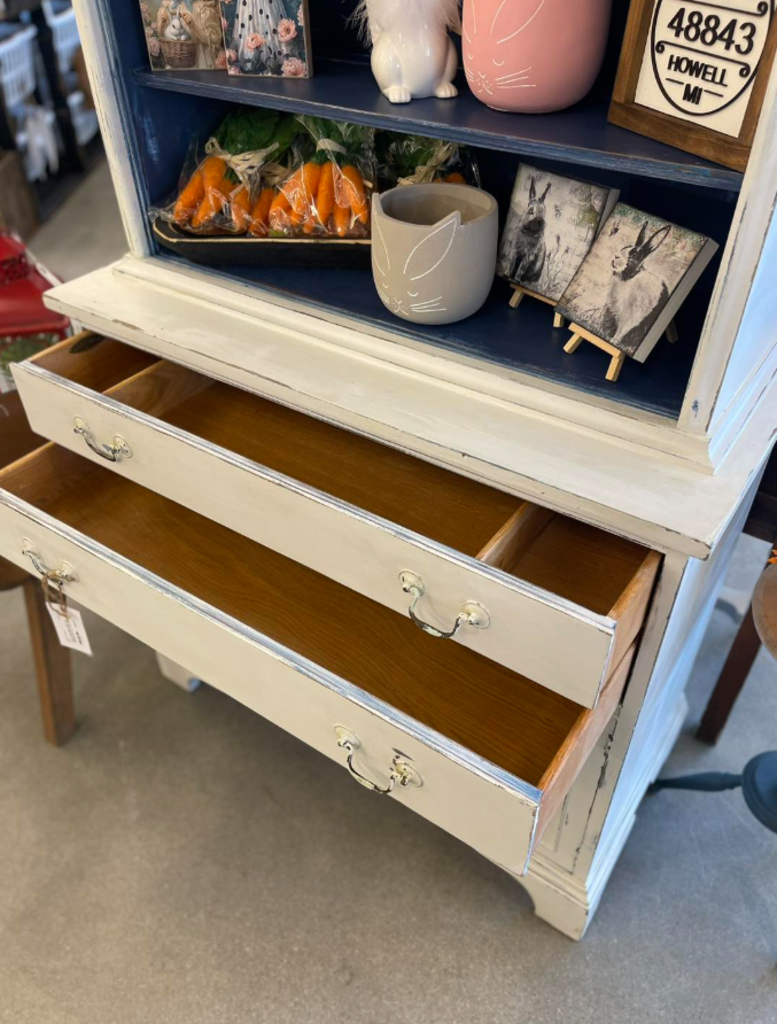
{"x":56,"y":578}
{"x":471,"y":614}
{"x":401,"y":771}
{"x":112,"y":452}
{"x":64,"y":574}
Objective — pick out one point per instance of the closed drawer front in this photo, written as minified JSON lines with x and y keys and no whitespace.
{"x":544,"y":595}
{"x":486,"y":754}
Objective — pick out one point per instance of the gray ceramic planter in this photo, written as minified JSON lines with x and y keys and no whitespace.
{"x":434,"y":250}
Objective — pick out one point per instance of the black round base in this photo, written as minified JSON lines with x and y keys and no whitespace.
{"x":759,"y":787}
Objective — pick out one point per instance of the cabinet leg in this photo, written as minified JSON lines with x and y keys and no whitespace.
{"x":569,"y":913}
{"x":52,"y":667}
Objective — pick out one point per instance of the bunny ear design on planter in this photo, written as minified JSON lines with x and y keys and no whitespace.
{"x":424,"y":258}
{"x":438,"y":272}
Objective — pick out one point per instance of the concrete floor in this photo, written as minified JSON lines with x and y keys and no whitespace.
{"x":181,"y":861}
{"x":85,"y":232}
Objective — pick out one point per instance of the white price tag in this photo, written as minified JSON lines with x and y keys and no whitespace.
{"x":70,"y":629}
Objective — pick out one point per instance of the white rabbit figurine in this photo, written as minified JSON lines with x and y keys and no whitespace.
{"x":413,"y":56}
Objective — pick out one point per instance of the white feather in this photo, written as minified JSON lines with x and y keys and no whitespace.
{"x":376,"y":16}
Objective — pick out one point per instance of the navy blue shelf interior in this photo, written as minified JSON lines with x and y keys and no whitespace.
{"x":519,"y":340}
{"x":345,"y":90}
{"x":167,"y":110}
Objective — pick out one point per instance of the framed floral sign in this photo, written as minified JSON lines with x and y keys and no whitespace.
{"x":267,"y":37}
{"x":183,"y":34}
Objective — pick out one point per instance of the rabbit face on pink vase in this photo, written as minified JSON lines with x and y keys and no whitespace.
{"x":533,"y":56}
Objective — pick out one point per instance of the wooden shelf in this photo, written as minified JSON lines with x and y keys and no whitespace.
{"x":509,"y":341}
{"x":346,"y":91}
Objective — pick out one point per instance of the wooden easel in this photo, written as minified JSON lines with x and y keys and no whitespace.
{"x":519,"y":293}
{"x":580,"y":334}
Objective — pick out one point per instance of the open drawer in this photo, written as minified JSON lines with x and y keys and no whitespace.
{"x":481,"y":751}
{"x":549,"y":597}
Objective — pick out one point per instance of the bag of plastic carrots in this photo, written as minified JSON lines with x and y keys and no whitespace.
{"x":328,"y":194}
{"x":218,"y":194}
{"x":414,"y":160}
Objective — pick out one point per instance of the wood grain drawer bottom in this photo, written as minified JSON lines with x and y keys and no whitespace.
{"x":557,"y":600}
{"x":494,"y":752}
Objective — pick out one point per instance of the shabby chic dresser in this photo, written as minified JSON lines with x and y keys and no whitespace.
{"x":265,"y":478}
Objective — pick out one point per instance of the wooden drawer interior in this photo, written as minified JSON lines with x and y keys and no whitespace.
{"x":602,"y":573}
{"x":93,"y":362}
{"x":525,"y":729}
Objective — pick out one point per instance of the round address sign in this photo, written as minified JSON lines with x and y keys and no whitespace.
{"x":706,"y":55}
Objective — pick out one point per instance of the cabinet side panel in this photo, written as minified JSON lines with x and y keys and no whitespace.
{"x":97,"y":29}
{"x":743,"y":308}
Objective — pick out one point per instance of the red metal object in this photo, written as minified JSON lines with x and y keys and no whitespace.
{"x":23,"y":282}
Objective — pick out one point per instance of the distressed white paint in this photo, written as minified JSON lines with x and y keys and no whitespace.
{"x":298,"y":360}
{"x":475,"y":801}
{"x":115,"y":115}
{"x":743,"y":312}
{"x":570,"y":868}
{"x":625,"y":471}
{"x":536,"y":633}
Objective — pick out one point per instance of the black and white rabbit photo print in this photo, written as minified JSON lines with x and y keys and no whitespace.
{"x":635,"y":266}
{"x":550,"y":228}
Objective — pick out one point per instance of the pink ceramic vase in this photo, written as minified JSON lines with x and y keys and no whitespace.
{"x":533,"y":56}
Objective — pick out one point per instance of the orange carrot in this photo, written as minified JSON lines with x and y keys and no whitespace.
{"x":455,"y":179}
{"x":213,"y":203}
{"x":190,"y":198}
{"x":356,"y":193}
{"x":213,"y":170}
{"x":325,"y":197}
{"x":292,"y":186}
{"x":311,"y":175}
{"x":261,"y":211}
{"x":342,"y":220}
{"x":304,"y":193}
{"x":280,"y":212}
{"x":241,"y":209}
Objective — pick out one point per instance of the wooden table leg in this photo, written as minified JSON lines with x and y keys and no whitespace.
{"x":52,"y":667}
{"x":732,"y":679}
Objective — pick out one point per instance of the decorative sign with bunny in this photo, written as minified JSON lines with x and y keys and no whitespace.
{"x":182,"y":34}
{"x":434,"y":250}
{"x":639,"y":271}
{"x":550,"y":228}
{"x":413,"y":57}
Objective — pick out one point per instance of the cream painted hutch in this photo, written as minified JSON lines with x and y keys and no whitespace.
{"x":571,"y":533}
